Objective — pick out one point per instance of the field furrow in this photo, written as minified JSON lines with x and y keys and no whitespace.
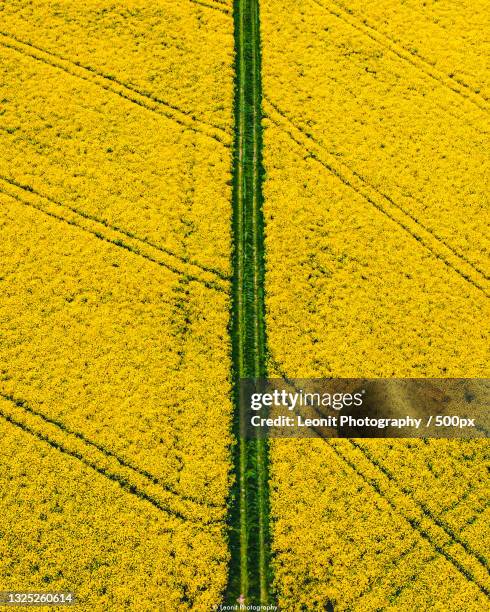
{"x":70,"y":527}
{"x":214,"y":4}
{"x":115,"y":356}
{"x":112,"y":235}
{"x":386,"y":205}
{"x":109,"y":83}
{"x":447,"y":38}
{"x":38,"y":422}
{"x":161,"y":49}
{"x":377,"y":266}
{"x":339,"y":10}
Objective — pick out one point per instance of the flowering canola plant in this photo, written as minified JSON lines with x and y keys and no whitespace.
{"x":115,"y":190}
{"x":376,"y":266}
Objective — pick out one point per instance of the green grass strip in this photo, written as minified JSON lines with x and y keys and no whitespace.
{"x":250,"y":575}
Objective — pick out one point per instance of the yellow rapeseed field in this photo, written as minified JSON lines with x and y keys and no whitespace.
{"x":445,"y":39}
{"x":377,"y":266}
{"x":115,"y":215}
{"x":66,"y":527}
{"x":119,"y":193}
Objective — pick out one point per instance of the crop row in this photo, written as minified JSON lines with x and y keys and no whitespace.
{"x":422,"y":31}
{"x":104,"y":155}
{"x":115,"y":189}
{"x":161,"y":49}
{"x":376,"y":267}
{"x":67,"y":528}
{"x":411,"y":136}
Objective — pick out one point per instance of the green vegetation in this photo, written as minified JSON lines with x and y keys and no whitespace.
{"x":249,"y":535}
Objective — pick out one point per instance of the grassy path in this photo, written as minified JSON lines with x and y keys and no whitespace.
{"x":249,"y":572}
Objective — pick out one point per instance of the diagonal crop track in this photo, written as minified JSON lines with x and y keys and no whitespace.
{"x":443,"y":539}
{"x":425,"y":236}
{"x":213,"y":4}
{"x":424,"y":65}
{"x":38,"y":420}
{"x":27,"y":196}
{"x":249,"y":537}
{"x":422,"y":506}
{"x":133,"y":480}
{"x":120,"y":88}
{"x":165,"y":251}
